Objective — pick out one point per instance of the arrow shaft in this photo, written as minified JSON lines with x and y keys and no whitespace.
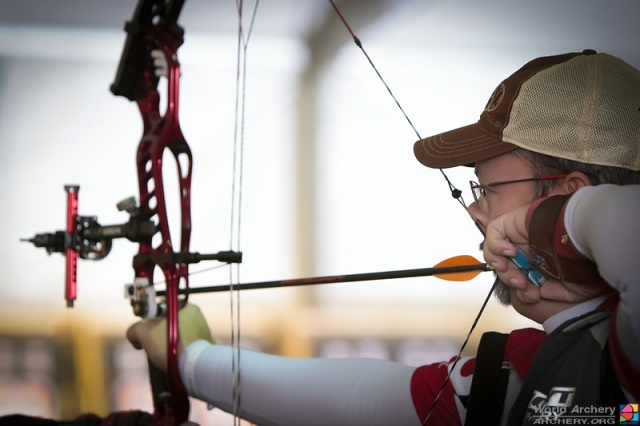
{"x":333,"y":279}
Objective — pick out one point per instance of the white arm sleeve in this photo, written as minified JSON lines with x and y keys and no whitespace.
{"x":301,"y":392}
{"x":604,"y":224}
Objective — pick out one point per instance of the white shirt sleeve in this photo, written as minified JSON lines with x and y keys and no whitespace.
{"x":603,"y":222}
{"x":301,"y":392}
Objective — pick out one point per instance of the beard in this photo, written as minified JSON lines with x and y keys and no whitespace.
{"x":501,"y":292}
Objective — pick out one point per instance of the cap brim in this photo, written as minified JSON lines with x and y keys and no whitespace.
{"x":460,"y":147}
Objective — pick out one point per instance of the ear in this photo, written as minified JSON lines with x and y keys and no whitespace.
{"x":574,"y":181}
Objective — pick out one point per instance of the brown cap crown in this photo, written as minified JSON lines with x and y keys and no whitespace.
{"x":582,"y":106}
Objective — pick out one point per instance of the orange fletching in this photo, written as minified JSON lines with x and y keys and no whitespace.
{"x":464,"y":260}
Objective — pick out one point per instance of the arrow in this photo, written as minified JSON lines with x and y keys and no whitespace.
{"x":457,"y":268}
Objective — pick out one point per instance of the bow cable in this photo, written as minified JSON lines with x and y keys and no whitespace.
{"x":455,"y":193}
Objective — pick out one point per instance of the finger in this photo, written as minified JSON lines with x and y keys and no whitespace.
{"x":529,"y":295}
{"x":513,"y":278}
{"x":142,"y":333}
{"x":517,"y":279}
{"x":557,"y":290}
{"x":500,"y":247}
{"x":497,"y":251}
{"x":132,"y":335}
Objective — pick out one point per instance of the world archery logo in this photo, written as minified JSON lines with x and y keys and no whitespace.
{"x":629,"y":414}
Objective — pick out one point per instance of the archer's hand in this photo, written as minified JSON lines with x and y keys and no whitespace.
{"x":151,"y":335}
{"x":497,"y":251}
{"x":503,"y":235}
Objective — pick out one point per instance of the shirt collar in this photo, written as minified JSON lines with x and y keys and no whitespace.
{"x":552,"y":323}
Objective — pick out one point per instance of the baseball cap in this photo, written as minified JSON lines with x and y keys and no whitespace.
{"x":581,"y":106}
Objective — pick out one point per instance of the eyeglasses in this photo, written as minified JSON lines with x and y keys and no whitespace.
{"x":480,"y":191}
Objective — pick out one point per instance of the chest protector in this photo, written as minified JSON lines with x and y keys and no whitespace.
{"x":571,"y":370}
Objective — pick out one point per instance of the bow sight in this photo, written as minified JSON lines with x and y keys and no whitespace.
{"x":87,"y":239}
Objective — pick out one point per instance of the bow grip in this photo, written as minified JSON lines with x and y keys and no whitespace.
{"x":160,"y":389}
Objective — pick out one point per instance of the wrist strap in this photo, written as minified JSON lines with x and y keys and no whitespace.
{"x":544,"y":238}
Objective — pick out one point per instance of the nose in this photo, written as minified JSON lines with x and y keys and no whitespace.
{"x":478,"y":215}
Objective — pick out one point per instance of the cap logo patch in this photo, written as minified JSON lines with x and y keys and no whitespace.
{"x":496,"y":98}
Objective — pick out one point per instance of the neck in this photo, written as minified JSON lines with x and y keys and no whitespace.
{"x":554,"y":321}
{"x":551,"y":313}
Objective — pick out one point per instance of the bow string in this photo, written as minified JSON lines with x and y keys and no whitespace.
{"x":455,"y":193}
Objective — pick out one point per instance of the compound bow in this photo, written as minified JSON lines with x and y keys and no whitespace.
{"x":153,"y":37}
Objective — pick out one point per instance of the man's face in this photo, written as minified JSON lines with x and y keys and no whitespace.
{"x":501,"y":199}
